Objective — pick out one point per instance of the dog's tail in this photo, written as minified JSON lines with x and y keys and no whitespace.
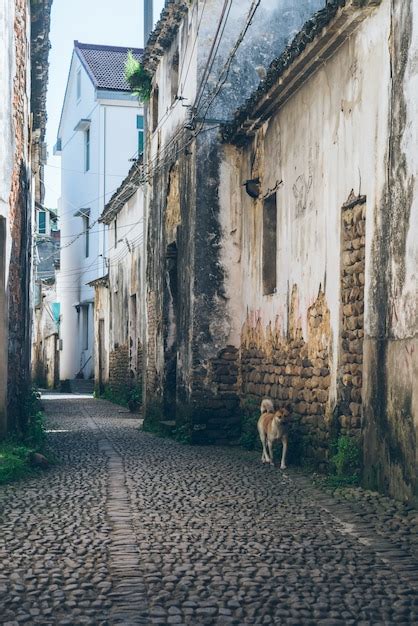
{"x":266,"y":406}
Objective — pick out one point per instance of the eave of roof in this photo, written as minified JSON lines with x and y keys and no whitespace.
{"x":40,"y":45}
{"x":102,"y":281}
{"x":318,"y":39}
{"x":123,"y":193}
{"x":164,"y":33}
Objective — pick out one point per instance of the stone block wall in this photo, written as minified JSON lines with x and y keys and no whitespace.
{"x":152,"y":328}
{"x":293,"y":372}
{"x":353,"y":231}
{"x":216,"y":398}
{"x":19,"y":220}
{"x":119,"y":379}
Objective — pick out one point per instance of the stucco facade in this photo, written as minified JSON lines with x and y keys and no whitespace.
{"x":334,"y":146}
{"x":118,"y":322}
{"x":190,"y":365}
{"x":24,"y":30}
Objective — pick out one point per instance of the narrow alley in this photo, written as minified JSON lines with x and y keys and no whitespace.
{"x":127,"y":528}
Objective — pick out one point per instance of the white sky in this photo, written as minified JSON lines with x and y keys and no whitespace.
{"x":111,"y":22}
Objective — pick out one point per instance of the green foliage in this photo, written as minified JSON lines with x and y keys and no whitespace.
{"x":14,"y":462}
{"x":15,"y":452}
{"x":137,"y":77}
{"x":131,"y":397}
{"x":134,"y":400}
{"x":250,"y":411}
{"x":152,"y":418}
{"x":183,"y":430}
{"x":345,"y":462}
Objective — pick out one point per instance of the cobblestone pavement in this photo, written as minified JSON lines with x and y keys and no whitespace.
{"x":130,"y":529}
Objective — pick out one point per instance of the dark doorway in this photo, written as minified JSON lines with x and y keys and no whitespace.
{"x":170,"y":331}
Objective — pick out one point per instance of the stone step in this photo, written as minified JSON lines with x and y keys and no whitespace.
{"x":81,"y":386}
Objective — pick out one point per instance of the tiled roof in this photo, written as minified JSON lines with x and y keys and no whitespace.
{"x":105,"y":64}
{"x":251,"y":114}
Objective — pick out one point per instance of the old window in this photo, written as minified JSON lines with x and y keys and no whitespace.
{"x":87,"y":150}
{"x":115,"y":231}
{"x":174,"y":74}
{"x":42,"y":222}
{"x":269,"y":244}
{"x":140,"y":128}
{"x":154,"y":108}
{"x":86,"y":231}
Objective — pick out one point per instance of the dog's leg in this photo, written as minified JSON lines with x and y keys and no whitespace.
{"x":264,"y":458}
{"x":270,"y":445}
{"x":284,"y":452}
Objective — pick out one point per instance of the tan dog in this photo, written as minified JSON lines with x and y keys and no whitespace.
{"x":272,"y":426}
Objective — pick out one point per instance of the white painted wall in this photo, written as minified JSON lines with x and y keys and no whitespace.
{"x":113,"y":141}
{"x":328,"y":139}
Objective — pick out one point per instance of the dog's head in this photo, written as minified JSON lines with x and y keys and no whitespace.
{"x":281,"y":416}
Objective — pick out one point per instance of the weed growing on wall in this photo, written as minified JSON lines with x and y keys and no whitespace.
{"x":137,"y":78}
{"x":17,"y":452}
{"x":345,"y":462}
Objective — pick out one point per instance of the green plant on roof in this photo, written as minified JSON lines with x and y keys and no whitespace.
{"x":137,"y":77}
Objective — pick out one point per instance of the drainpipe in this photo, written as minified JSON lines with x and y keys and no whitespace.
{"x":104,"y":190}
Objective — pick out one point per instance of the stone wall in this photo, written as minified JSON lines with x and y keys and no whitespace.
{"x":119,"y":378}
{"x":215,"y":398}
{"x":353,"y":237}
{"x":19,"y":220}
{"x":293,"y":372}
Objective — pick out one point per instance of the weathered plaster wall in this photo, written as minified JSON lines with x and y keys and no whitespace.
{"x":344,"y":134}
{"x":6,"y":167}
{"x":189,"y":361}
{"x":125,"y":296}
{"x":44,"y":357}
{"x":391,"y":356}
{"x":101,"y":335}
{"x":19,"y":224}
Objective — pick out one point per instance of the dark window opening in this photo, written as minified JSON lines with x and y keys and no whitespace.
{"x":175,"y":76}
{"x":155,"y":108}
{"x":87,"y":150}
{"x":140,"y":127}
{"x":86,"y":229}
{"x":85,"y":327}
{"x":270,"y":245}
{"x":42,"y":222}
{"x":116,"y":231}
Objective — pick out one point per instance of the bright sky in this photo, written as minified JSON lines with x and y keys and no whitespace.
{"x":111,"y":22}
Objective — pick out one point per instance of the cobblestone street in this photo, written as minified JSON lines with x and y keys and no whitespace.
{"x":128,"y":529}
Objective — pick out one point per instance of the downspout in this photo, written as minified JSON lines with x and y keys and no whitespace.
{"x":104,"y":191}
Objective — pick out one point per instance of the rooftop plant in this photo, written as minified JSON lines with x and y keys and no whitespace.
{"x":137,"y":77}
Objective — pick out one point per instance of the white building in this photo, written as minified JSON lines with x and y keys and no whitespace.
{"x":119,"y":296}
{"x":99,"y":132}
